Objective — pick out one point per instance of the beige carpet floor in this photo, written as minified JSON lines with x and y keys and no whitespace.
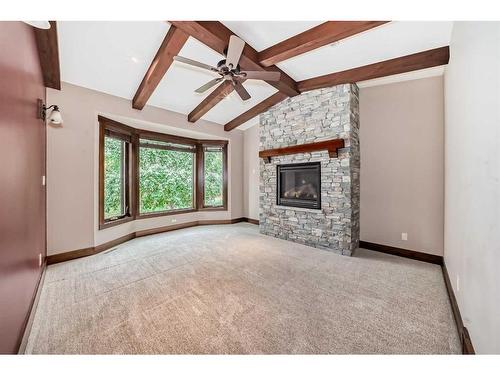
{"x":229,"y":289}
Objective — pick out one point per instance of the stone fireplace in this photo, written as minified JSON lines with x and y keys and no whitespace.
{"x":312,"y":197}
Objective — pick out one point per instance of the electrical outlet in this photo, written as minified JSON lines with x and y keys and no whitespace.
{"x":39,"y":260}
{"x":174,"y":221}
{"x":404,"y":236}
{"x":458,"y":283}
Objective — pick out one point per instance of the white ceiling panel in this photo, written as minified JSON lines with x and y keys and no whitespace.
{"x":264,"y":34}
{"x":385,"y":42}
{"x":111,"y":57}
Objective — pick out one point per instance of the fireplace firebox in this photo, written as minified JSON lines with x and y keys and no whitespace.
{"x":299,"y":185}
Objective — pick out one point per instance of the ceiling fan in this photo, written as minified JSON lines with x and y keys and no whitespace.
{"x":229,"y":69}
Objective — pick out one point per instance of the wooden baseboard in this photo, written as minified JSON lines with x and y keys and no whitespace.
{"x":29,"y":321}
{"x":411,"y":254}
{"x":75,"y":254}
{"x":467,"y":347}
{"x":465,"y":340}
{"x":252,"y":221}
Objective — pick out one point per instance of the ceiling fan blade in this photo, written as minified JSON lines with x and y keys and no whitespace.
{"x":263,"y":75}
{"x":242,"y":92}
{"x":198,"y":64}
{"x":234,"y":51}
{"x":207,"y":85}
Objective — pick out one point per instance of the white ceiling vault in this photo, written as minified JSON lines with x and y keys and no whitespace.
{"x":112,"y":57}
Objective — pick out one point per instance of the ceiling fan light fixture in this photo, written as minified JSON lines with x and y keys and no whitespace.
{"x":229,"y":69}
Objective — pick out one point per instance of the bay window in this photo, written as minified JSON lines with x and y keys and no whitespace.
{"x":146,"y":174}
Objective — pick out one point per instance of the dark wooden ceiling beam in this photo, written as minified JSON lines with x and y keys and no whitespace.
{"x":319,"y":36}
{"x":421,"y":60}
{"x":220,"y":92}
{"x":255,"y":111}
{"x":48,"y":53}
{"x":170,"y":47}
{"x":216,"y":36}
{"x":404,"y":64}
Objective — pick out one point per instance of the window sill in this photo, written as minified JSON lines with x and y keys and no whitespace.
{"x":219,"y":208}
{"x":109,"y":224}
{"x":165,"y":213}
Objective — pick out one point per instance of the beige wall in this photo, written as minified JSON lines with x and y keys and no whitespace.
{"x":251,"y":172}
{"x":402,"y":159}
{"x":72,"y":166}
{"x":472,"y":179}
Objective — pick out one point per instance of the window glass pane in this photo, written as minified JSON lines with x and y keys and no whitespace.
{"x":214,"y":178}
{"x":113,"y":177}
{"x":165,"y":180}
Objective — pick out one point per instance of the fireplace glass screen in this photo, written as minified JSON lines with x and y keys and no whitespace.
{"x":299,"y":185}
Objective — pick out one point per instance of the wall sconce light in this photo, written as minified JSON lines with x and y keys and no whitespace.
{"x":54,"y":117}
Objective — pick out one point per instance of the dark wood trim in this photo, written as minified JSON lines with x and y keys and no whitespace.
{"x":170,"y":47}
{"x":216,"y":36}
{"x":331,"y":146}
{"x":463,"y":333}
{"x":75,"y":254}
{"x":115,"y":125}
{"x":220,"y":92}
{"x":80,"y":253}
{"x":252,"y":221}
{"x":404,"y":64}
{"x":200,"y":183}
{"x":166,"y":228}
{"x":108,"y":245}
{"x":48,"y":53}
{"x":316,"y":37}
{"x":127,"y":134}
{"x":411,"y":254}
{"x":200,"y":170}
{"x":23,"y":341}
{"x":225,"y":177}
{"x":255,"y":110}
{"x":453,"y":301}
{"x":467,"y":347}
{"x":162,"y":137}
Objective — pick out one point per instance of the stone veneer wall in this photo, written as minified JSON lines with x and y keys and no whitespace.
{"x":315,"y":116}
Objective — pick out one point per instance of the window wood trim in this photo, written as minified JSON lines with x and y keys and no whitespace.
{"x":201,"y":171}
{"x":110,"y":129}
{"x":133,"y":136}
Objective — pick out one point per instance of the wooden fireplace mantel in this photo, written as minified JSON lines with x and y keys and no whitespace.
{"x":331,"y":146}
